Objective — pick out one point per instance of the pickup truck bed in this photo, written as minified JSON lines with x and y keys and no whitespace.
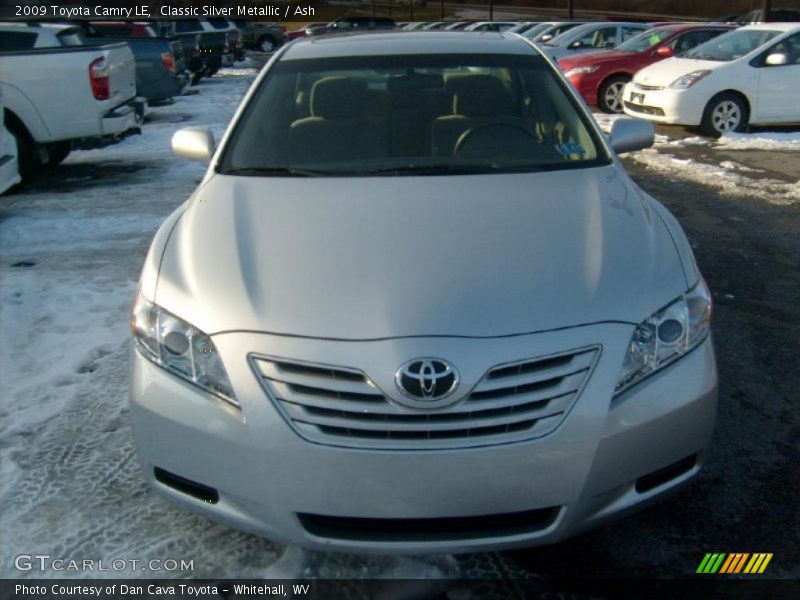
{"x":54,"y":96}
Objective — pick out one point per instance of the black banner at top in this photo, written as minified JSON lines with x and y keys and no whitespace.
{"x":146,"y":10}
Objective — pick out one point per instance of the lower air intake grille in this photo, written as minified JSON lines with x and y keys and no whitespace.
{"x":342,"y":406}
{"x":441,"y":529}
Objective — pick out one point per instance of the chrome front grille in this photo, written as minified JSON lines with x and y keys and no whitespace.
{"x":343,"y":407}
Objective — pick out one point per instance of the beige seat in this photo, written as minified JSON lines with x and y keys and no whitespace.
{"x":339,"y":128}
{"x":478,"y":100}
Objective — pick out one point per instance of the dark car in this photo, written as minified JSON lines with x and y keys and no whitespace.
{"x":600,"y":76}
{"x":266,"y":37}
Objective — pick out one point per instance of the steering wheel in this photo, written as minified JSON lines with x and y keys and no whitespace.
{"x":497,"y":140}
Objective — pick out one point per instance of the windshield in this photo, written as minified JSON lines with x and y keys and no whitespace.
{"x":536,"y":30}
{"x":732,"y":45}
{"x":645,"y":40}
{"x":581,"y":32}
{"x":406,"y":114}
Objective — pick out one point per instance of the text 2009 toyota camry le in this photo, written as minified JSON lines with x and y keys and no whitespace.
{"x":417,"y":305}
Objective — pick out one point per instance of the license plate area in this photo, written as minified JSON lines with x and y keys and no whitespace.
{"x":637,"y":98}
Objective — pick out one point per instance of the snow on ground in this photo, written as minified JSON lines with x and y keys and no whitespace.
{"x":72,"y":245}
{"x":728,"y":177}
{"x":760,"y":141}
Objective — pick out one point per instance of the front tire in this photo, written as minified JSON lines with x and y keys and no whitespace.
{"x":724,"y":113}
{"x":609,"y":96}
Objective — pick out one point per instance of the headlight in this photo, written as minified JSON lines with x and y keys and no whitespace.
{"x":689,"y":79}
{"x":180,"y":348}
{"x":581,"y":70}
{"x":667,"y":335}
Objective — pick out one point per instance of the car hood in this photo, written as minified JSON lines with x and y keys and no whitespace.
{"x":666,"y":71}
{"x":595,"y":57}
{"x":381,"y":257}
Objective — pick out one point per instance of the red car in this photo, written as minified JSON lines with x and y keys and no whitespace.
{"x":297,"y":33}
{"x":600,"y":76}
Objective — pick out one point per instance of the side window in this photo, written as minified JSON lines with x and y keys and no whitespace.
{"x":13,"y":40}
{"x":628,"y":32}
{"x":790,"y":47}
{"x":603,"y":38}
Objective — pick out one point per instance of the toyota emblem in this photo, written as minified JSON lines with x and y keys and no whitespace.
{"x":426,"y":381}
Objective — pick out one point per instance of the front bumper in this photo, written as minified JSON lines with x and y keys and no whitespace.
{"x":265,"y":475}
{"x":670,"y":106}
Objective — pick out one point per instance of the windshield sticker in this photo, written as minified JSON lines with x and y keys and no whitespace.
{"x":570,"y":148}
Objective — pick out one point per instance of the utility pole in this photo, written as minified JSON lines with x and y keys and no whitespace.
{"x":767,"y":10}
{"x":441,"y":6}
{"x":411,"y":10}
{"x":570,"y":9}
{"x":491,"y":10}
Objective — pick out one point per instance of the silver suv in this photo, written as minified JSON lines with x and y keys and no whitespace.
{"x":417,"y":305}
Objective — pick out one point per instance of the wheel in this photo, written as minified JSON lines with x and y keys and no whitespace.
{"x":609,"y":96}
{"x":196,"y":77}
{"x":57,"y":152}
{"x":266,"y":44}
{"x":725,"y":112}
{"x":28,"y":160}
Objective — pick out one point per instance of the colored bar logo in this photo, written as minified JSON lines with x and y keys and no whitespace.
{"x":736,"y":562}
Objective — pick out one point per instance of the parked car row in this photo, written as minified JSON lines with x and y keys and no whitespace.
{"x":106,"y":74}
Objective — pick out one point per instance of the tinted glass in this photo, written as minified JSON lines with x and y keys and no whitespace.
{"x":645,"y":40}
{"x":409,"y":114}
{"x":12,"y":40}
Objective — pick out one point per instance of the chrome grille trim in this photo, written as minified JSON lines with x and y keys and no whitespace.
{"x":342,"y":406}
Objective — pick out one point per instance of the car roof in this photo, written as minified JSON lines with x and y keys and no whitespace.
{"x":773,"y":26}
{"x":407,"y":42}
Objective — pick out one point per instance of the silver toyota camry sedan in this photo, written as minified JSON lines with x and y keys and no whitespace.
{"x":417,"y":305}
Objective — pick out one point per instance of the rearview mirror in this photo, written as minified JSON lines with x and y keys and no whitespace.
{"x":195,"y":143}
{"x":628,"y":135}
{"x":664,"y":52}
{"x":777,"y":59}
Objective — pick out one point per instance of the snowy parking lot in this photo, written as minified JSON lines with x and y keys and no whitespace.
{"x":71,"y":246}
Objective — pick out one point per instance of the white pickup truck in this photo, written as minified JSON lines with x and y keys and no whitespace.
{"x":57,"y":91}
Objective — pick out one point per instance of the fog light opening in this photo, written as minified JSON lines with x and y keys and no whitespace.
{"x":186,"y":486}
{"x":665,"y":475}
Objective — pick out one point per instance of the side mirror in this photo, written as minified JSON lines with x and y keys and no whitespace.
{"x":628,"y":135}
{"x":665,"y":52}
{"x":576,"y":45}
{"x":546,"y":38}
{"x":777,"y":59}
{"x":195,"y":143}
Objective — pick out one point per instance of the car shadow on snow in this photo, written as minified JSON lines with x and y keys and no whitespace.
{"x":72,"y":177}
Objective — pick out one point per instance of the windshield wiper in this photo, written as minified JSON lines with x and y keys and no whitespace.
{"x":275,"y":171}
{"x":447,"y":169}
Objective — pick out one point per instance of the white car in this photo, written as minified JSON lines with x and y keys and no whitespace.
{"x":750,"y":76}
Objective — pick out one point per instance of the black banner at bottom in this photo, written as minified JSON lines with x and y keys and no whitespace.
{"x":392,"y":589}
